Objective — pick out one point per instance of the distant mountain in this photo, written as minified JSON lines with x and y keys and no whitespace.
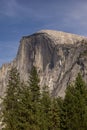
{"x":58,"y":57}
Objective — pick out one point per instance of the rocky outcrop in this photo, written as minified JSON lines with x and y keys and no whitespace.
{"x":58,"y":57}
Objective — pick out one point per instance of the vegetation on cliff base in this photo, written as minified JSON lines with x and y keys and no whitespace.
{"x":24,"y":107}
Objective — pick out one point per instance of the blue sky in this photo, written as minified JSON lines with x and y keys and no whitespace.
{"x":24,"y":17}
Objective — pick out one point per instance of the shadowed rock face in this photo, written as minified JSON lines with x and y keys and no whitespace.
{"x":58,"y":57}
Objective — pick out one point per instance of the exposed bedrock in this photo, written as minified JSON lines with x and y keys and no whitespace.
{"x":58,"y":57}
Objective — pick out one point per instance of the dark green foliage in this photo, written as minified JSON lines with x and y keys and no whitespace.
{"x":29,"y":103}
{"x":50,"y":119}
{"x":25,"y":108}
{"x":54,"y":116}
{"x":35,"y":99}
{"x":67,"y":110}
{"x":74,"y":110}
{"x":45,"y":108}
{"x":21,"y":103}
{"x":10,"y":101}
{"x":34,"y":84}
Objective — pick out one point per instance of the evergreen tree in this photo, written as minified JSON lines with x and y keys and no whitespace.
{"x":24,"y":108}
{"x":10,"y":101}
{"x":67,"y":109}
{"x":34,"y":84}
{"x":21,"y":105}
{"x":54,"y":115}
{"x":34,"y":89}
{"x":50,"y":119}
{"x":29,"y":103}
{"x":81,"y":95}
{"x":25,"y":113}
{"x":45,"y":109}
{"x":74,"y":110}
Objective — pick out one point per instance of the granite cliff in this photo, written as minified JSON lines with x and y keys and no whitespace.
{"x":58,"y":57}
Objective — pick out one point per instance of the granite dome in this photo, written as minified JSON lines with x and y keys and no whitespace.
{"x":62,"y":37}
{"x":58,"y":57}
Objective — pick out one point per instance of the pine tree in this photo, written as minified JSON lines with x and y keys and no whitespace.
{"x":74,"y":110}
{"x":29,"y":103}
{"x":10,"y":101}
{"x":81,"y":95}
{"x":34,"y":88}
{"x":50,"y":118}
{"x":67,"y":109}
{"x":25,"y":113}
{"x":45,"y":109}
{"x":21,"y":103}
{"x":55,"y":115}
{"x":34,"y":84}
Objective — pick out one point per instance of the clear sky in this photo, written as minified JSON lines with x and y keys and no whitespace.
{"x":24,"y":17}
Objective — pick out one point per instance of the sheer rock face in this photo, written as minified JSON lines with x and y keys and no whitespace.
{"x":58,"y":57}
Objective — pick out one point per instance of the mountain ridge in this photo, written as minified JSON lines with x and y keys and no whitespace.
{"x":56,"y":55}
